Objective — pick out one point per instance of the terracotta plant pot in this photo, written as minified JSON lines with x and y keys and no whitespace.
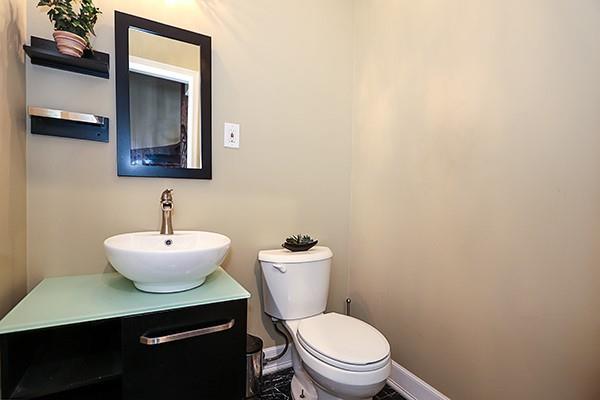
{"x":69,"y":43}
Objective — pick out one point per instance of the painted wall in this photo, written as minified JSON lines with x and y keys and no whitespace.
{"x":280,"y":69}
{"x":475,"y":224}
{"x":12,"y":154}
{"x":475,"y":242}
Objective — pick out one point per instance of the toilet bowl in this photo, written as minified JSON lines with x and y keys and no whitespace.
{"x":345,"y":357}
{"x":335,"y":356}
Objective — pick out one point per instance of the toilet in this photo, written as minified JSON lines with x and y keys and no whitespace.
{"x":334,"y":356}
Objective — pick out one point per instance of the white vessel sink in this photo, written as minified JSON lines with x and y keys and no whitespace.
{"x":166,"y":263}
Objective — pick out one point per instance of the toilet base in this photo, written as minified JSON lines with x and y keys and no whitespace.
{"x":303,"y":389}
{"x":307,"y":390}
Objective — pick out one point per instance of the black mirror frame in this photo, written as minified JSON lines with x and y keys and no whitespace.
{"x":124,"y":167}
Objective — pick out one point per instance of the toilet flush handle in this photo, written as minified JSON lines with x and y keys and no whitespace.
{"x":281,"y":268}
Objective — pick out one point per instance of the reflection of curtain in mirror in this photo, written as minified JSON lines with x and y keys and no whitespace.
{"x":184,"y":127}
{"x":157,"y":121}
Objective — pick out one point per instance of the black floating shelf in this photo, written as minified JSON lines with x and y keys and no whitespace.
{"x":44,"y":52}
{"x":45,"y":121}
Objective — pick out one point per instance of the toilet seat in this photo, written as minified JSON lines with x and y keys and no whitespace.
{"x":344,"y":342}
{"x":321,"y":371}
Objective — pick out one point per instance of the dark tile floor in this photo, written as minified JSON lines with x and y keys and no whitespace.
{"x":277,"y":387}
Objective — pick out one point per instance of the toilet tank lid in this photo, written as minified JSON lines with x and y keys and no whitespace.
{"x":284,"y":256}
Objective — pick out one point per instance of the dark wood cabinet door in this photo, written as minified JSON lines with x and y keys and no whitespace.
{"x":190,"y":353}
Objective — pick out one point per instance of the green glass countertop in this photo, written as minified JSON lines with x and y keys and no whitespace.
{"x":73,"y":299}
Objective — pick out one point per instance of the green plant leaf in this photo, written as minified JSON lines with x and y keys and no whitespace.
{"x":64,"y":18}
{"x":299,"y":239}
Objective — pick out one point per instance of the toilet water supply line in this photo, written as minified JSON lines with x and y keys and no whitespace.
{"x":348,"y":302}
{"x":287,"y":340}
{"x":285,"y":348}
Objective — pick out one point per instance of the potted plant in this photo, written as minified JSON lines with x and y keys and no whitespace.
{"x":72,"y":29}
{"x":299,"y":243}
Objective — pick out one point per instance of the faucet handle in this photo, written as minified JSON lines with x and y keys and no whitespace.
{"x":166,"y":195}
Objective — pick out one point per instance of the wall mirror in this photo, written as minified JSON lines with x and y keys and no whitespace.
{"x":163,"y":76}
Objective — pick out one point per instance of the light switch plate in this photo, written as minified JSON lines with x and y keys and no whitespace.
{"x":232,"y":135}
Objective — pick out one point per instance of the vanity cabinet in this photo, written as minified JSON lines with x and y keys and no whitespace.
{"x":192,"y":353}
{"x":188,"y":345}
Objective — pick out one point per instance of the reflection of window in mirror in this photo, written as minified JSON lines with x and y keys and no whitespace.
{"x":164,"y":97}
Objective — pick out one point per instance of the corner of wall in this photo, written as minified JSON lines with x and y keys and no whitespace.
{"x":12,"y":154}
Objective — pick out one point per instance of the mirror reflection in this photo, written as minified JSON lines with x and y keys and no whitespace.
{"x":164,"y":97}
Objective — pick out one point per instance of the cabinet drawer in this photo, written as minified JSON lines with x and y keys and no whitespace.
{"x":191,"y":353}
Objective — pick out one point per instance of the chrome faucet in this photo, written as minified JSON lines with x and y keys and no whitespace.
{"x":166,"y":205}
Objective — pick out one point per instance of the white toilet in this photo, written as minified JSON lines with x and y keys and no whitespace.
{"x":335,"y":356}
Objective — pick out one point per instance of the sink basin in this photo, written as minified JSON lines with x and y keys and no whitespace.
{"x":166,"y":263}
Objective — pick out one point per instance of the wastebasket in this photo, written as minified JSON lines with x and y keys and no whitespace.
{"x":254,"y":366}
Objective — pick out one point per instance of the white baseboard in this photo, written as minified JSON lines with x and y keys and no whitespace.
{"x":411,"y":386}
{"x":401,"y":380}
{"x":278,"y":365}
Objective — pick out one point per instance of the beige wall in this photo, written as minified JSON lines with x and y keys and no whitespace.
{"x":281,"y":70}
{"x":12,"y":154}
{"x":476,"y":192}
{"x":475,"y":224}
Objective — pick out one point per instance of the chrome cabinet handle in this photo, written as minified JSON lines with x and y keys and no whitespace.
{"x":281,"y":268}
{"x":152,"y":341}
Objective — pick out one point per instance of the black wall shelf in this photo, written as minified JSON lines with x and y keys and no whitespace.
{"x":67,"y":124}
{"x":44,"y":52}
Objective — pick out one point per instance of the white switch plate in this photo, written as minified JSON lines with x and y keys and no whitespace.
{"x":232,"y":135}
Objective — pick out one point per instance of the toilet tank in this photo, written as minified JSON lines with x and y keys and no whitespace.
{"x":295,"y":285}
